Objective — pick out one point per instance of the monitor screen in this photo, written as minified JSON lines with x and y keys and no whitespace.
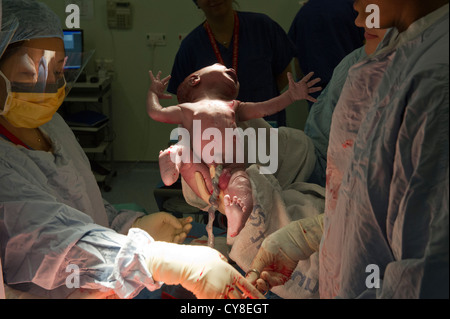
{"x":73,"y":44}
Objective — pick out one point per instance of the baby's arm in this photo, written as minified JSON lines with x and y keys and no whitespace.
{"x":297,"y":91}
{"x":170,"y":114}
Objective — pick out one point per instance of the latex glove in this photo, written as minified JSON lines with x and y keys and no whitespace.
{"x":281,"y":251}
{"x":165,"y":227}
{"x":200,"y":269}
{"x":300,"y":90}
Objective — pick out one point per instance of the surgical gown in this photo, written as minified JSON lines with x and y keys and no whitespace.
{"x":318,"y":124}
{"x":387,"y":175}
{"x":52,"y":215}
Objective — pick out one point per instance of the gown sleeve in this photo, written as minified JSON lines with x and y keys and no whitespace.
{"x":41,"y":236}
{"x":419,"y":230}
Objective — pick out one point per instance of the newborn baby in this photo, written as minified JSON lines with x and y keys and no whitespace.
{"x":209,"y":95}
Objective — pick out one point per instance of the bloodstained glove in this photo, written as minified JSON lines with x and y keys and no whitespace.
{"x":281,"y":251}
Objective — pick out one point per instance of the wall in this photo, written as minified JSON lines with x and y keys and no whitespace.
{"x":138,"y":138}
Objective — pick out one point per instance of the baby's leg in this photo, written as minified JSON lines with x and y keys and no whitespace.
{"x":238,"y":202}
{"x":170,"y":164}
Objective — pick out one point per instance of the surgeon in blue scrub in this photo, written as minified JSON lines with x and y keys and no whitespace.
{"x":56,"y":233}
{"x":251,"y":43}
{"x":385,"y":229}
{"x":324,"y":32}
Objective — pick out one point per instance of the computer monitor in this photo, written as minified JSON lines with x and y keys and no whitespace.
{"x":73,"y":44}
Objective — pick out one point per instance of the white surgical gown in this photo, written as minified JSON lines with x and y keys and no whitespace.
{"x":52,"y":215}
{"x":387,"y":175}
{"x":318,"y":124}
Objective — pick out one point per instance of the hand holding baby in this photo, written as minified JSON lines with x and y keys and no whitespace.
{"x":165,"y":227}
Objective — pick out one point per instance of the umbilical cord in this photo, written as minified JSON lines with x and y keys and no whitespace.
{"x":214,"y":201}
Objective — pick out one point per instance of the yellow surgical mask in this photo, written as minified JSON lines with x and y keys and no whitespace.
{"x":31,"y":110}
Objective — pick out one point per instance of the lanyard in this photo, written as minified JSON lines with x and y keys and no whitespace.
{"x":12,"y":138}
{"x":235,"y":43}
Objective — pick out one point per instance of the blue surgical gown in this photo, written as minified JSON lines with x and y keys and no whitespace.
{"x":387,"y":191}
{"x":318,"y":124}
{"x":52,"y":215}
{"x":324,"y":32}
{"x":265,"y":51}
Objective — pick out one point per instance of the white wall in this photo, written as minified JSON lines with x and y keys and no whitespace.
{"x":138,"y":138}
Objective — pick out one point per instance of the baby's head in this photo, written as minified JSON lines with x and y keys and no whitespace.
{"x":212,"y":81}
{"x":184,"y":92}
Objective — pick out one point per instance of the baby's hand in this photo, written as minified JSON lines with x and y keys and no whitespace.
{"x":300,"y":90}
{"x":159,"y":86}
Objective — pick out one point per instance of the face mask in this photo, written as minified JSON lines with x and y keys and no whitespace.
{"x":30,"y":110}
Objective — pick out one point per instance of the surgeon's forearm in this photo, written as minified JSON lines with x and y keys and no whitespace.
{"x":312,"y":230}
{"x":114,"y":261}
{"x":301,"y":238}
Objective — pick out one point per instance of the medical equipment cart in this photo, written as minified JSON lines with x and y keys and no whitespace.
{"x":88,"y":111}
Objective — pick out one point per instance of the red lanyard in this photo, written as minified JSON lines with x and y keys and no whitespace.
{"x":235,"y":43}
{"x":11,"y":137}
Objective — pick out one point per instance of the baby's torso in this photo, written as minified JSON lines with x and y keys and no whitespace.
{"x":211,"y":113}
{"x":211,"y":124}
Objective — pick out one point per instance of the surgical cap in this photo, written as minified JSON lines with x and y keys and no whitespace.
{"x":8,"y":27}
{"x":36,"y":20}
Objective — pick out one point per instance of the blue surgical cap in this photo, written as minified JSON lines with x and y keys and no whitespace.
{"x":36,"y":20}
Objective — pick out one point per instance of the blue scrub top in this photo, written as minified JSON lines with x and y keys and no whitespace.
{"x":264,"y":52}
{"x":324,"y":32}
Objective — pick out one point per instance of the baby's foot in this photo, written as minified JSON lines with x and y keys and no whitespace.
{"x":236,"y":213}
{"x":169,"y":164}
{"x":235,"y":201}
